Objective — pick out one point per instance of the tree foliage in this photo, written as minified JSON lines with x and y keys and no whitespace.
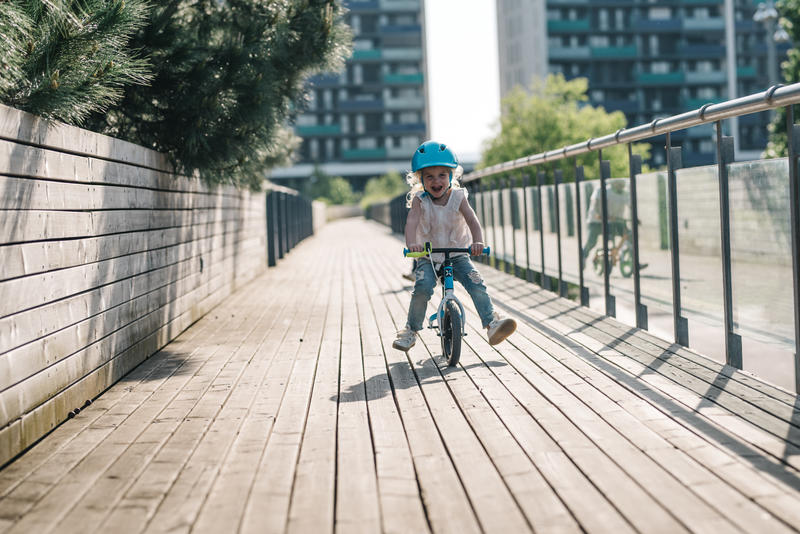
{"x":552,"y":114}
{"x":790,"y":20}
{"x":226,"y":73}
{"x":329,"y":189}
{"x":383,"y":188}
{"x":64,"y":60}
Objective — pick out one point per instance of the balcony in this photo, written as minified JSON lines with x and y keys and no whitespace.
{"x":404,"y":103}
{"x":362,"y":55}
{"x":704,"y":25}
{"x":402,"y":54}
{"x":363,"y":5}
{"x":614,"y":51}
{"x":566,"y":26}
{"x":400,"y":128}
{"x":746,"y":72}
{"x":657,"y":25}
{"x":400,"y":5}
{"x":701,"y":50}
{"x":404,"y":79}
{"x":401,"y":28}
{"x":690,"y":104}
{"x":573,"y":52}
{"x":364,"y":153}
{"x":625,"y":106}
{"x":713,"y":77}
{"x":318,"y":130}
{"x":662,"y":78}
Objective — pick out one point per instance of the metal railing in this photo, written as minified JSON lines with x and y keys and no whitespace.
{"x":289,"y":221}
{"x":510,"y":195}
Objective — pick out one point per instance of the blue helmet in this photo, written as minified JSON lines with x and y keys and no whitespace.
{"x":433,"y":154}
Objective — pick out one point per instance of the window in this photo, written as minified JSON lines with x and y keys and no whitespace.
{"x":659,"y":13}
{"x":659,"y":67}
{"x":599,"y":41}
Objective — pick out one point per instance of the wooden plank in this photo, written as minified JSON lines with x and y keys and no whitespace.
{"x":750,"y":483}
{"x":26,"y":127}
{"x":762,"y":430}
{"x":401,"y":504}
{"x":168,"y":402}
{"x":356,"y":477}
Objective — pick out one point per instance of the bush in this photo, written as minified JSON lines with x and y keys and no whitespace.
{"x":383,"y":188}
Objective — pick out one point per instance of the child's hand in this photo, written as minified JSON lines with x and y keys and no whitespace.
{"x":415,"y":247}
{"x":476,"y":249}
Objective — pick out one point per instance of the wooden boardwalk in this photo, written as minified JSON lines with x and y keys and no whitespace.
{"x":286,"y":410}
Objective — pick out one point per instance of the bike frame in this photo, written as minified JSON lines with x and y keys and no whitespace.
{"x":448,"y":289}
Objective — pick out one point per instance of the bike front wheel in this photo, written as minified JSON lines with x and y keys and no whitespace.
{"x":626,"y":262}
{"x":451,"y":333}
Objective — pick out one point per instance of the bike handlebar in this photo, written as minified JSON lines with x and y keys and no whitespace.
{"x":429,"y":250}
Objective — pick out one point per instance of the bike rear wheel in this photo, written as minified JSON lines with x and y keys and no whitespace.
{"x":451,"y":333}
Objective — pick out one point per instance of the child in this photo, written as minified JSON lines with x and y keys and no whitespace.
{"x":441,"y":214}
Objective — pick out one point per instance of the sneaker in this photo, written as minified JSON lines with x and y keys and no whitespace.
{"x":405,"y":339}
{"x":499,"y":329}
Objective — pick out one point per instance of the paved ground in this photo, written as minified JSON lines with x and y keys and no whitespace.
{"x":286,"y":410}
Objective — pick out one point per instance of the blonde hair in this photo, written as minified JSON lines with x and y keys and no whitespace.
{"x":414,"y":181}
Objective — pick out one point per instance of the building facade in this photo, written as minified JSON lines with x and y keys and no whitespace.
{"x":368,"y":119}
{"x":652,"y":60}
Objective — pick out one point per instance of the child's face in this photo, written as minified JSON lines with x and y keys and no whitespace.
{"x":436,"y":180}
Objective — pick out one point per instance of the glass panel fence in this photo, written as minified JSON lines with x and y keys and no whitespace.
{"x":700,"y":259}
{"x":549,"y":231}
{"x":761,"y":255}
{"x":654,"y":255}
{"x":569,"y":235}
{"x":534,"y":235}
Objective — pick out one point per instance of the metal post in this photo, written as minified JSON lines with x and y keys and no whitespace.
{"x":484,"y":259}
{"x":514,"y":206}
{"x":793,"y":133}
{"x":605,"y":174}
{"x":557,"y":178}
{"x":725,"y":155}
{"x":494,"y":229}
{"x":635,"y":164}
{"x":502,"y":220}
{"x":281,"y":226}
{"x":578,"y":224}
{"x":271,"y":220}
{"x":674,"y":162}
{"x":544,"y":281}
{"x":525,"y":182}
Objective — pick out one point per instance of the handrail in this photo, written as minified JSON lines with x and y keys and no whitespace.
{"x":774,"y":97}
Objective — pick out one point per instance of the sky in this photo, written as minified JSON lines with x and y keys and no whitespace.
{"x":462,"y":73}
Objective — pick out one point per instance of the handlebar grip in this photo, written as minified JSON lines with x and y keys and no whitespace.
{"x":486,"y":250}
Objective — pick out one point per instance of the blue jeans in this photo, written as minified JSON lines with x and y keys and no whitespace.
{"x":467,"y":275}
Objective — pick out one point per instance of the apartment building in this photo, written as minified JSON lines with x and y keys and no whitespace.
{"x":647,"y":59}
{"x":367,"y":120}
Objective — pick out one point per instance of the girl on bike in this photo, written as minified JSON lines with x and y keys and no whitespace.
{"x":440,"y":214}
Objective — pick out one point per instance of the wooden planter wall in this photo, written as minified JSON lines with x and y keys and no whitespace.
{"x":105,"y":257}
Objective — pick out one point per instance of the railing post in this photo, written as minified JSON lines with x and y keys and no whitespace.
{"x":605,"y":174}
{"x":584,"y":291}
{"x":725,"y":155}
{"x":514,"y":207}
{"x":557,"y":178}
{"x":483,"y":219}
{"x":271,"y":229}
{"x":635,"y":164}
{"x":544,"y":280}
{"x":493,"y":257}
{"x":674,"y":162}
{"x":502,"y":220}
{"x":280,"y":226}
{"x":525,"y":183}
{"x":793,"y":142}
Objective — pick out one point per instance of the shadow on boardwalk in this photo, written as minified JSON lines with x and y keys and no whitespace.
{"x":427,"y":372}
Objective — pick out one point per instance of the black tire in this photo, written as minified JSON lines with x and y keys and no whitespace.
{"x":626,"y":262}
{"x":451,"y":333}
